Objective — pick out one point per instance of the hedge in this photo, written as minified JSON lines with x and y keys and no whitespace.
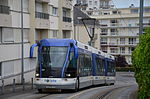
{"x":141,"y":64}
{"x":124,"y":69}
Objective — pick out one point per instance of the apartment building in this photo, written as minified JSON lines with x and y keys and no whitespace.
{"x":41,"y":19}
{"x":90,"y":5}
{"x":120,"y":29}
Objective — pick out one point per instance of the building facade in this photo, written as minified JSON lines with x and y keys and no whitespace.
{"x":120,"y":29}
{"x":92,"y":5}
{"x":41,"y":19}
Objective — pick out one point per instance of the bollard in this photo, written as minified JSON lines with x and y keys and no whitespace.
{"x":23,"y":87}
{"x":2,"y":87}
{"x":14,"y":85}
{"x":31,"y":83}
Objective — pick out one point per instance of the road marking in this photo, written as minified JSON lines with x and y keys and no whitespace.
{"x":84,"y":92}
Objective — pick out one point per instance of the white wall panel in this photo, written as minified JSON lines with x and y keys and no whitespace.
{"x":54,"y":23}
{"x":10,"y":68}
{"x":16,"y":20}
{"x":7,"y":35}
{"x":13,"y":51}
{"x":7,"y":68}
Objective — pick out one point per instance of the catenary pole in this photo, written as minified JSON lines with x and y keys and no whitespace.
{"x":22,"y":47}
{"x":141,"y":18}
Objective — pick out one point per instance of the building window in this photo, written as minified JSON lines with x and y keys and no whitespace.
{"x":103,"y":40}
{"x":54,"y":11}
{"x":90,"y":2}
{"x":95,"y":3}
{"x":134,"y":11}
{"x":113,"y":41}
{"x":54,"y":33}
{"x":122,"y":40}
{"x":104,"y":31}
{"x":114,"y":31}
{"x":147,"y":10}
{"x":132,"y":40}
{"x":130,"y":49}
{"x":0,"y":68}
{"x":26,"y":5}
{"x":78,"y":1}
{"x":104,"y":49}
{"x":114,"y":50}
{"x":122,"y":49}
{"x":113,"y":21}
{"x":114,"y":12}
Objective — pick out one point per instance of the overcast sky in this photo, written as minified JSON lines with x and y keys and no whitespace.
{"x":127,"y":3}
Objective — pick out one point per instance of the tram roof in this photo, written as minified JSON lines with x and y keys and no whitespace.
{"x":56,"y":42}
{"x":66,"y":42}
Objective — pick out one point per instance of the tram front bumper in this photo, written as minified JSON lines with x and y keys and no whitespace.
{"x":55,"y":83}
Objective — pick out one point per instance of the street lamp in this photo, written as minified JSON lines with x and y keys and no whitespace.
{"x":91,"y":35}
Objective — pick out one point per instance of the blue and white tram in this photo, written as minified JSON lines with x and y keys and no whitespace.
{"x":69,"y":64}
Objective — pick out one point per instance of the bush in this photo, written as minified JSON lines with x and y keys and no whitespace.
{"x":141,"y":64}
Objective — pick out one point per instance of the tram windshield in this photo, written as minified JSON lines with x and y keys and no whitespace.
{"x":53,"y":56}
{"x":51,"y":59}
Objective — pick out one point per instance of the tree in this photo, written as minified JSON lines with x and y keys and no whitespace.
{"x":121,"y":61}
{"x":141,"y":64}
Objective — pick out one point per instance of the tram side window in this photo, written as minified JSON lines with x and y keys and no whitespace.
{"x":72,"y":68}
{"x":84,"y":64}
{"x":99,"y":67}
{"x":111,"y":71}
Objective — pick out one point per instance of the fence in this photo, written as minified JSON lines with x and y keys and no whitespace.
{"x":4,"y":9}
{"x":14,"y":86}
{"x":41,"y":15}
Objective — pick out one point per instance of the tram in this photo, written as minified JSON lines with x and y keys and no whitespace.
{"x":69,"y":64}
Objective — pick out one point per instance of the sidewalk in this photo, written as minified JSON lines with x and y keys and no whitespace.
{"x":9,"y":91}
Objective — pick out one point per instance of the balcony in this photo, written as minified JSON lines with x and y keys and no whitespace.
{"x":67,"y":24}
{"x":41,"y":15}
{"x":114,"y":33}
{"x":67,"y":19}
{"x":44,"y":1}
{"x":114,"y":24}
{"x":103,"y":33}
{"x":42,"y":20}
{"x":4,"y":9}
{"x":5,"y":17}
{"x":102,"y":42}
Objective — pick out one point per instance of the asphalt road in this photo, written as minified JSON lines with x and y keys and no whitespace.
{"x":124,"y":88}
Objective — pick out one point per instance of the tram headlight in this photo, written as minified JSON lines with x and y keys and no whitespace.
{"x":68,"y":75}
{"x":37,"y":75}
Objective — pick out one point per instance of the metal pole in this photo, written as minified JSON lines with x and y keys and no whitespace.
{"x":2,"y":90}
{"x":141,"y":18}
{"x":22,"y":46}
{"x":31,"y":83}
{"x":14,"y":85}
